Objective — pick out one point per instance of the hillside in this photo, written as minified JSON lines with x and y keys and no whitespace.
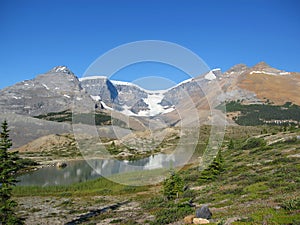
{"x":259,"y":183}
{"x":259,"y":114}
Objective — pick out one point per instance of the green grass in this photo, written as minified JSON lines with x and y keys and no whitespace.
{"x":101,"y":186}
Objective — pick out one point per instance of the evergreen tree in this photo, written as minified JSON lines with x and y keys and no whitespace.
{"x":173,"y":186}
{"x":8,"y":170}
{"x":213,"y":170}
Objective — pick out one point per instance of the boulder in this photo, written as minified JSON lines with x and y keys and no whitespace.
{"x":200,"y":221}
{"x":188,"y":219}
{"x":61,"y":165}
{"x":203,"y":212}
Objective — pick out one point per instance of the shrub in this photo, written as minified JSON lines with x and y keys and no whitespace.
{"x":291,"y":204}
{"x":26,"y":162}
{"x":254,"y":143}
{"x":172,"y":213}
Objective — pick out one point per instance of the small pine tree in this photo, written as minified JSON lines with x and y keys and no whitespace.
{"x":217,"y":165}
{"x":214,"y":169}
{"x":8,"y":170}
{"x":173,"y":186}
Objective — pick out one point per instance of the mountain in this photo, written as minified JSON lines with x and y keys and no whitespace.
{"x":272,"y":85}
{"x":57,"y":90}
{"x":133,"y":100}
{"x":53,"y":91}
{"x":189,"y":102}
{"x":259,"y":84}
{"x":99,"y":88}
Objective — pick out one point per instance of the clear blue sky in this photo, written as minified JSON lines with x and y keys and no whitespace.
{"x":38,"y":35}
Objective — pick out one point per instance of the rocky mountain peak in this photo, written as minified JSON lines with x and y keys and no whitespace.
{"x":60,"y":69}
{"x":261,"y":65}
{"x":264,"y":68}
{"x":237,"y":69}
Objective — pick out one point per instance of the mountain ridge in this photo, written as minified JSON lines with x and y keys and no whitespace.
{"x":58,"y":89}
{"x":44,"y":94}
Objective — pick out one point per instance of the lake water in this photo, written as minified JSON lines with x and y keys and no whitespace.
{"x":80,"y":170}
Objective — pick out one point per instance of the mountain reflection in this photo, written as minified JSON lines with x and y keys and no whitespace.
{"x":82,"y":170}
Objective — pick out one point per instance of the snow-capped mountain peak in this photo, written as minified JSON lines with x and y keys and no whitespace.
{"x":61,"y":69}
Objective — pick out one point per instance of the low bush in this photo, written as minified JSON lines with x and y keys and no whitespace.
{"x":291,"y":204}
{"x":172,"y":213}
{"x":254,"y":143}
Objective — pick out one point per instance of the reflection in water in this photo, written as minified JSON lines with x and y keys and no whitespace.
{"x":81,"y":170}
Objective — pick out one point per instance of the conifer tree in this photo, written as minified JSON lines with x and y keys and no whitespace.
{"x":173,"y":186}
{"x":8,"y":170}
{"x":214,"y":169}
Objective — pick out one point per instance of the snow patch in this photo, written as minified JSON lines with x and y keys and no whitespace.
{"x":168,"y":110}
{"x":155,"y":108}
{"x":210,"y":76}
{"x":183,"y":82}
{"x":96,"y":97}
{"x":92,"y":78}
{"x":15,"y":97}
{"x":106,"y":106}
{"x":118,"y":82}
{"x":67,"y":96}
{"x":126,"y":110}
{"x":78,"y":99}
{"x":152,"y":101}
{"x":284,"y":73}
{"x":45,"y":86}
{"x":60,"y":68}
{"x":262,"y":72}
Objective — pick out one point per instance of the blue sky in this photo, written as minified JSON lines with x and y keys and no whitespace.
{"x":38,"y":35}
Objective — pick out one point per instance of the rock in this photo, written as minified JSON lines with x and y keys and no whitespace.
{"x":61,"y":165}
{"x":200,"y":221}
{"x":188,"y":219}
{"x":203,"y":212}
{"x":231,"y":220}
{"x":140,"y":105}
{"x":190,"y":203}
{"x":100,"y":88}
